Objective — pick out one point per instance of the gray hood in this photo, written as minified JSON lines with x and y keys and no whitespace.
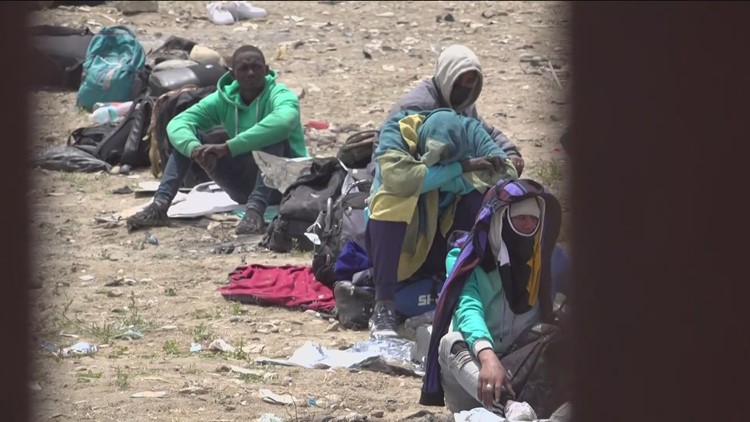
{"x":454,"y":61}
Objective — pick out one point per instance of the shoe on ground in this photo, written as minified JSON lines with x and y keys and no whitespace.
{"x":154,"y":215}
{"x":252,"y":223}
{"x":383,"y":323}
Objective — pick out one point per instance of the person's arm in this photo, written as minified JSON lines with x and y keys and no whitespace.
{"x":443,"y":177}
{"x":499,"y":138}
{"x":182,"y":130}
{"x":272,"y":129}
{"x":469,"y":313}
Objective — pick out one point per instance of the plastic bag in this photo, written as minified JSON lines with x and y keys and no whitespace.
{"x":71,"y":159}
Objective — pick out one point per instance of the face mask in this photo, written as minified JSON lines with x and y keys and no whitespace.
{"x":459,"y":95}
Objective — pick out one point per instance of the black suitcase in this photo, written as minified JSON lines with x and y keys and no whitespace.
{"x":202,"y":75}
{"x":58,"y":54}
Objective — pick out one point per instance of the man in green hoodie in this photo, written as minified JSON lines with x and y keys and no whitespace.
{"x":259,"y":114}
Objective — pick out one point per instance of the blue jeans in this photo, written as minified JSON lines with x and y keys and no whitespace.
{"x":237,"y":176}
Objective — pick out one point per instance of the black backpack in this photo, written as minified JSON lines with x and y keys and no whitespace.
{"x":120,"y":143}
{"x":57,"y":54}
{"x":539,"y":362}
{"x":301,"y":204}
{"x":340,"y":222}
{"x":176,"y":103}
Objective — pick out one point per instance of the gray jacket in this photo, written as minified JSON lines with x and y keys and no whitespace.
{"x":436,"y":92}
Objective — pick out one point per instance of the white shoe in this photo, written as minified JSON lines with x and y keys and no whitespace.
{"x":243,"y":10}
{"x":219,"y":15}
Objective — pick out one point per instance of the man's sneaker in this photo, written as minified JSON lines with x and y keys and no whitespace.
{"x":252,"y":223}
{"x":383,"y":322}
{"x":154,"y":215}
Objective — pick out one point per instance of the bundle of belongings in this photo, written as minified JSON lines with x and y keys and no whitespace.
{"x":131,"y":93}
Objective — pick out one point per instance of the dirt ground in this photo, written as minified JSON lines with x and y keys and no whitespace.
{"x":170,"y":291}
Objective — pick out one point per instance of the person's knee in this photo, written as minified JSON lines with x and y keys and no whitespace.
{"x":446,"y":344}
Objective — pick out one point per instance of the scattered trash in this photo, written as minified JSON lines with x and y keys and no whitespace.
{"x":317,"y":124}
{"x":193,"y":390}
{"x":195,"y":347}
{"x":81,"y":348}
{"x":129,"y":335}
{"x":389,"y":68}
{"x":64,"y":334}
{"x":312,"y":401}
{"x":296,"y":19}
{"x":269,"y":396}
{"x":35,"y":386}
{"x":391,"y":356}
{"x":385,"y":15}
{"x":71,"y":159}
{"x":149,"y":395}
{"x":151,"y":239}
{"x":125,"y":190}
{"x":220,"y":345}
{"x":86,"y":277}
{"x":270,"y":417}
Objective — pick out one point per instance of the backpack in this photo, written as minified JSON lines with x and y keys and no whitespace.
{"x":357,"y":149}
{"x":120,"y":143}
{"x":114,"y":60}
{"x":540,"y":368}
{"x":58,"y":54}
{"x":301,"y":205}
{"x":355,"y":300}
{"x":166,"y":107}
{"x":339,"y":223}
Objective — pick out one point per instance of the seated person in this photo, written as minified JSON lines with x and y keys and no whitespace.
{"x":457,"y":83}
{"x":499,"y":286}
{"x":259,"y":114}
{"x":431,"y":171}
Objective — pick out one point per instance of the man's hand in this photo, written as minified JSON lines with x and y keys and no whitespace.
{"x":206,"y":155}
{"x":518,"y":164}
{"x":483,"y":163}
{"x":492,"y":378}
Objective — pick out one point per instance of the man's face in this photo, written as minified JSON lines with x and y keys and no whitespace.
{"x":525,"y":224}
{"x":462,"y":87}
{"x":249,"y":70}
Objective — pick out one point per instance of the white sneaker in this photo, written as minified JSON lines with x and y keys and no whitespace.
{"x":219,"y":15}
{"x":243,"y":10}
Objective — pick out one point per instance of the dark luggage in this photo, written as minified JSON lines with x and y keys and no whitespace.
{"x":201,"y":75}
{"x":58,"y":54}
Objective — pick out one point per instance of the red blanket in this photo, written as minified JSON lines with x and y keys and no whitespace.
{"x":288,"y":286}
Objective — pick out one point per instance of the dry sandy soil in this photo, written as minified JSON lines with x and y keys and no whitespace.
{"x":176,"y":282}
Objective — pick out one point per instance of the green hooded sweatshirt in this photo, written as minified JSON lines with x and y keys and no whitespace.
{"x":272,"y":117}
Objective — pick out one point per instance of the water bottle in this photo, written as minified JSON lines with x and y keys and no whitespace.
{"x":109,"y":112}
{"x":103,"y":115}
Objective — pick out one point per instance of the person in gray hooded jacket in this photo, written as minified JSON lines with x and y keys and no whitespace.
{"x":457,"y":83}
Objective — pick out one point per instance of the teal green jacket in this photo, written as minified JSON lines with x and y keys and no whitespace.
{"x":274,"y":116}
{"x":482,"y":314}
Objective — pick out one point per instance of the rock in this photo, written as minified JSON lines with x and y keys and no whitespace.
{"x":377,"y":414}
{"x":134,"y":7}
{"x":220,"y":345}
{"x":117,"y":282}
{"x":390,"y":404}
{"x":333,"y":327}
{"x":230,"y":408}
{"x":114,"y":293}
{"x":203,"y":54}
